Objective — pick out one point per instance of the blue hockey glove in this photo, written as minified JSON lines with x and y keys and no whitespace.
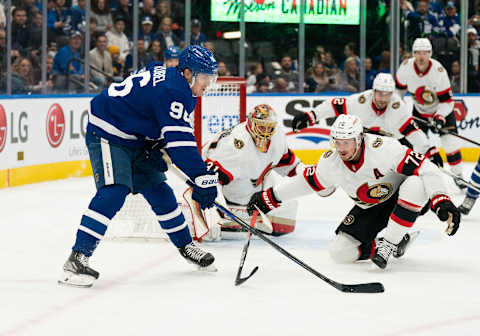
{"x":205,"y":190}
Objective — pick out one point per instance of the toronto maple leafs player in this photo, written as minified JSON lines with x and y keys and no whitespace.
{"x":389,"y":183}
{"x":130,"y":125}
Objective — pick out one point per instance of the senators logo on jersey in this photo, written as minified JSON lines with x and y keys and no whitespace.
{"x":424,"y":96}
{"x":371,"y":195}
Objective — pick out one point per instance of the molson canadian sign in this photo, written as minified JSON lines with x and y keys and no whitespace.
{"x":288,"y":11}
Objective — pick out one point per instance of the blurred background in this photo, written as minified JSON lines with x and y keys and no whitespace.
{"x":77,"y":46}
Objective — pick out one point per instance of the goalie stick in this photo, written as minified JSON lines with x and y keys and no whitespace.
{"x":371,"y":287}
{"x":239,"y":280}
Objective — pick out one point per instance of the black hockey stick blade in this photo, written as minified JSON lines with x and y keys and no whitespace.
{"x":372,"y":287}
{"x":239,"y":281}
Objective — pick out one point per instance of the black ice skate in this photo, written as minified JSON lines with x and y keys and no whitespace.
{"x":195,"y":255}
{"x":77,"y":272}
{"x":405,"y":243}
{"x":467,"y":205}
{"x":383,"y":252}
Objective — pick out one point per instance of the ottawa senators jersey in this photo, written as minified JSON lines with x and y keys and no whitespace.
{"x":241,"y":167}
{"x":394,"y":119}
{"x":430,"y":90}
{"x":383,"y":166}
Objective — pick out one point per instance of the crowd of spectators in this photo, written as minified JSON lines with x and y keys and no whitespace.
{"x":161,"y":37}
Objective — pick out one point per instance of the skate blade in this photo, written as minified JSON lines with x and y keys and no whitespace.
{"x":76,"y":280}
{"x":209,"y":268}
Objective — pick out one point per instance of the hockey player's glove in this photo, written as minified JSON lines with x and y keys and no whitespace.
{"x":434,"y":155}
{"x":446,"y":211}
{"x":205,"y":190}
{"x":438,"y":123}
{"x":303,"y":120}
{"x":264,"y":200}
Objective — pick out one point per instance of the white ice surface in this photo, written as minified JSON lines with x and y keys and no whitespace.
{"x":148,"y":289}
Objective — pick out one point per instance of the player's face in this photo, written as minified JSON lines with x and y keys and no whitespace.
{"x":202,"y":81}
{"x":346,"y":148}
{"x":381,"y":98}
{"x":422,"y":57}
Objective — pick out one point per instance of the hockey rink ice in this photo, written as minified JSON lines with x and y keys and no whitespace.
{"x":148,"y":289}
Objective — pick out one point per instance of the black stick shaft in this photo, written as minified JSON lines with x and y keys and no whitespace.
{"x":445,"y":132}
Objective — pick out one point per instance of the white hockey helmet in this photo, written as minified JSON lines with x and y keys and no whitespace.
{"x":422,"y":44}
{"x":384,"y":82}
{"x":347,"y":126}
{"x":261,"y":124}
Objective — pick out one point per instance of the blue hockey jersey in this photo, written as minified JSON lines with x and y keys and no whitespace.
{"x":153,"y":103}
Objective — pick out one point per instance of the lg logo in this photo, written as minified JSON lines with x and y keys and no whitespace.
{"x":55,"y":124}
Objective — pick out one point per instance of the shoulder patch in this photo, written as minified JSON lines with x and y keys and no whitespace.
{"x":396,"y":105}
{"x":327,"y":154}
{"x":361,"y":99}
{"x":377,"y":142}
{"x":238,"y":143}
{"x":441,"y":69}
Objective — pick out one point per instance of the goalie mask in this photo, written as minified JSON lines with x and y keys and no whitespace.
{"x":261,"y":124}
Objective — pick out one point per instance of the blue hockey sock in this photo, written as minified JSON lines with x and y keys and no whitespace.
{"x":169,"y":215}
{"x":104,"y":205}
{"x":475,"y":179}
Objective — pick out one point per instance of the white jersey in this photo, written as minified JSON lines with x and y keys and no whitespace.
{"x":430,"y":90}
{"x":241,"y":166}
{"x":383,"y":166}
{"x":394,"y":119}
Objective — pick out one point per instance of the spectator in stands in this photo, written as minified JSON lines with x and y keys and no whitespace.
{"x":20,"y":31}
{"x":3,"y":51}
{"x":422,"y":22}
{"x":209,"y":46}
{"x":146,"y":33}
{"x":370,"y":73}
{"x":455,"y":77}
{"x":330,"y":64}
{"x":148,"y":9}
{"x":197,"y":37}
{"x":63,"y":67}
{"x":59,"y":20}
{"x":349,"y":79}
{"x":450,"y":22}
{"x":93,"y":33}
{"x":288,"y":74}
{"x":30,"y":7}
{"x":349,"y":51}
{"x":280,"y":85}
{"x":156,"y":51}
{"x":101,"y":12}
{"x":3,"y":19}
{"x":23,"y":77}
{"x":435,"y":7}
{"x":384,"y":62}
{"x":143,"y":57}
{"x":117,"y":37}
{"x":125,"y":10}
{"x":117,"y":65}
{"x":100,"y":58}
{"x":223,"y":70}
{"x":165,"y":35}
{"x":263,"y":84}
{"x":255,"y":70}
{"x":36,"y":31}
{"x":78,"y":16}
{"x":318,"y":80}
{"x":473,"y":60}
{"x":172,"y":56}
{"x":163,"y":10}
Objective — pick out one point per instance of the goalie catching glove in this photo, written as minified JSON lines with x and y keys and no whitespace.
{"x":444,"y":208}
{"x":303,"y":120}
{"x":205,"y":190}
{"x":264,"y":200}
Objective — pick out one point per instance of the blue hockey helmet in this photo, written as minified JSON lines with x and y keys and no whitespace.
{"x":172,"y":52}
{"x":199,"y":60}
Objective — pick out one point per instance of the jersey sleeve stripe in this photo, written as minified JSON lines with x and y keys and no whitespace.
{"x":411,"y":163}
{"x":224,"y":176}
{"x":399,"y":85}
{"x":287,"y":159}
{"x":408,"y":127}
{"x":445,"y":96}
{"x":109,"y":128}
{"x":338,"y":108}
{"x":437,"y":199}
{"x":182,"y":129}
{"x":312,"y":179}
{"x":181,"y":144}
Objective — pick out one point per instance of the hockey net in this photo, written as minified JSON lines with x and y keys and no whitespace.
{"x":222,"y":106}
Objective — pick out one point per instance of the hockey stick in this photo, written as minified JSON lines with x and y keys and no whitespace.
{"x":467,"y":183}
{"x":371,"y":287}
{"x":429,"y":124}
{"x":239,"y":280}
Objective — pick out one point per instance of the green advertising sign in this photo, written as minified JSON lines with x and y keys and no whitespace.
{"x":288,"y":11}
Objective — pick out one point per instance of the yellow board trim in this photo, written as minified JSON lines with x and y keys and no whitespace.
{"x":60,"y":170}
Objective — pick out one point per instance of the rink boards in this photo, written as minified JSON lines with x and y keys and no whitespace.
{"x":43,"y":138}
